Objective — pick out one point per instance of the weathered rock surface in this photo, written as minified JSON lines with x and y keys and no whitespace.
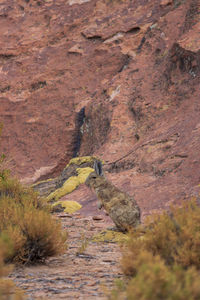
{"x":45,"y":187}
{"x":111,"y":78}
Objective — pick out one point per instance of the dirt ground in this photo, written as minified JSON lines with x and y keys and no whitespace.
{"x":86,"y":271}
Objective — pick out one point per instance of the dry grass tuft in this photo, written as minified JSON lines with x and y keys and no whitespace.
{"x":174,"y":236}
{"x":8,"y":290}
{"x":162,"y":257}
{"x":26,"y":220}
{"x":155,"y":280}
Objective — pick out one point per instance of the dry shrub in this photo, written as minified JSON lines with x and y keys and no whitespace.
{"x":5,"y":247}
{"x":174,"y":236}
{"x":8,"y":290}
{"x":11,"y":188}
{"x":162,"y":257}
{"x":26,"y":220}
{"x":43,"y":234}
{"x":154,"y":280}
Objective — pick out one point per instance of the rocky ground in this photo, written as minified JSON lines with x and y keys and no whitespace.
{"x":86,"y":271}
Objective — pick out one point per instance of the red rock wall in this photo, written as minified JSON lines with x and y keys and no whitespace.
{"x":133,"y":65}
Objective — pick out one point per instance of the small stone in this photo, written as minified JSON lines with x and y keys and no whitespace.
{"x":108,"y":260}
{"x":97,"y":218}
{"x":93,"y":283}
{"x":76,"y":49}
{"x":166,"y":2}
{"x":57,"y":208}
{"x":64,"y":216}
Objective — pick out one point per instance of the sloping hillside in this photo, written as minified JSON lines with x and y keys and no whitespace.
{"x":111,"y":78}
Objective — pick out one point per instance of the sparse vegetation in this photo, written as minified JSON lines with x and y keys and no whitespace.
{"x":110,"y":236}
{"x":174,"y":236}
{"x":83,"y":245}
{"x":155,"y":280}
{"x":161,"y":258}
{"x":8,"y":290}
{"x":26,"y":221}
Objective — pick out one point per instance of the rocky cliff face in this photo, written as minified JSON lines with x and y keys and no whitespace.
{"x":118,"y":79}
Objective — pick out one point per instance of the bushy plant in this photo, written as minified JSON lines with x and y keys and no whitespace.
{"x":162,"y":259}
{"x":12,"y":188}
{"x":25,"y":219}
{"x":155,"y":280}
{"x":28,"y":233}
{"x":8,"y":290}
{"x":174,"y":236}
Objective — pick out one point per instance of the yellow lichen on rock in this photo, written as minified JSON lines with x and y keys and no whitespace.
{"x":110,"y":236}
{"x":71,"y":184}
{"x":83,"y":173}
{"x":80,"y":160}
{"x":69,"y":206}
{"x":41,"y":182}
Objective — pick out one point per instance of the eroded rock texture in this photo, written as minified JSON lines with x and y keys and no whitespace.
{"x":110,"y":78}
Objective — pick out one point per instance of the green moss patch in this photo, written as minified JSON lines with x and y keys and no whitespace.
{"x":68,"y":206}
{"x":110,"y":236}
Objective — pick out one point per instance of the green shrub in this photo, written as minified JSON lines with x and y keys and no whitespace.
{"x":154,"y":280}
{"x":174,"y":236}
